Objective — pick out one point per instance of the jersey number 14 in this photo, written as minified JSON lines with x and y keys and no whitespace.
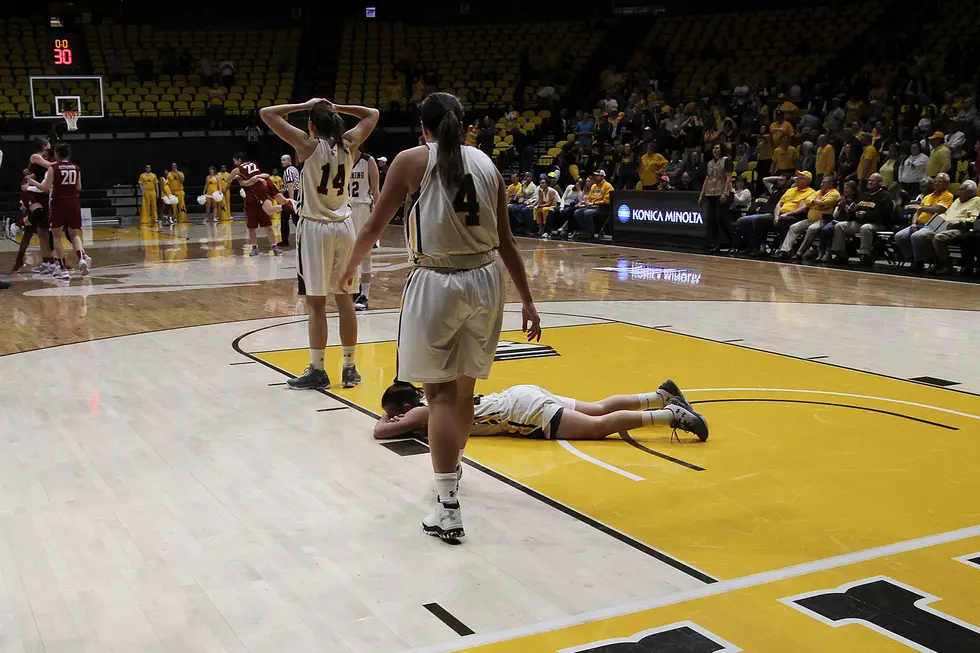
{"x":338,"y":180}
{"x":465,"y":201}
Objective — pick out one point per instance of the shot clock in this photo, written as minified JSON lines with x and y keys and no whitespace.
{"x":62,"y":52}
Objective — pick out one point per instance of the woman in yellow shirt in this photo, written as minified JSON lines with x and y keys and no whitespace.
{"x":224,"y":207}
{"x":471,"y":133}
{"x":167,"y":213}
{"x":176,"y":179}
{"x":148,"y":184}
{"x":889,"y":167}
{"x":210,"y":186}
{"x":652,"y":166}
{"x":784,"y":157}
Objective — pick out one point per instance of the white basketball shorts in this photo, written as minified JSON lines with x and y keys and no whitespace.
{"x":323,"y":251}
{"x":526,"y":411}
{"x":359,"y":213}
{"x":450,"y":323}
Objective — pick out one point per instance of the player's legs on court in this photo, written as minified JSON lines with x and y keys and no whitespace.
{"x":667,"y":392}
{"x":348,"y":339}
{"x":84,"y":261}
{"x":450,"y":420}
{"x":580,"y":426}
{"x":315,"y":377}
{"x":366,"y":274}
{"x":25,"y":241}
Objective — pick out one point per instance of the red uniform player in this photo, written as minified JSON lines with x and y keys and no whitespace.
{"x":63,"y":181}
{"x":258,"y":201}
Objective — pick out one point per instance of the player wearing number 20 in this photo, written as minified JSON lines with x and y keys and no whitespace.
{"x":325,"y":234}
{"x":453,"y":301}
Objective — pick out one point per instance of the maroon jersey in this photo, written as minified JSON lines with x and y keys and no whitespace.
{"x":64,"y":186}
{"x":26,"y":197}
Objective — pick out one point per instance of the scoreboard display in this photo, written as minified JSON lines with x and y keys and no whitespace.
{"x":62,"y":54}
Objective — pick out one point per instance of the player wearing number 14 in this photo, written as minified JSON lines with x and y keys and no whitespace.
{"x":325,"y":234}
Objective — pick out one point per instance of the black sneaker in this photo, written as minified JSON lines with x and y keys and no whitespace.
{"x":311,"y":380}
{"x":687,"y":420}
{"x":350,"y":377}
{"x":4,"y":285}
{"x":361,"y":303}
{"x":671,"y":393}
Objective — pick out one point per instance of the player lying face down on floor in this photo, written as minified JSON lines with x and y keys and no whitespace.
{"x":529,"y":411}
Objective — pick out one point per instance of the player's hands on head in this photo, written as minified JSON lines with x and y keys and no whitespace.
{"x":531,"y":322}
{"x":313,"y":101}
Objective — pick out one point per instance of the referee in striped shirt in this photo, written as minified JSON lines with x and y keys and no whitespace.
{"x":290,"y":177}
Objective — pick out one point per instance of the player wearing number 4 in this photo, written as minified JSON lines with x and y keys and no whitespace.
{"x":325,"y":234}
{"x":453,"y":304}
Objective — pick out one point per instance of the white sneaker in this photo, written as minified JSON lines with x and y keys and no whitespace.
{"x":445,"y":521}
{"x":84,"y":264}
{"x":43,"y":269}
{"x":61,"y":273}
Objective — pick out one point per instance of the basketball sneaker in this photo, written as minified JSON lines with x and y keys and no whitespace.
{"x":687,"y":420}
{"x":61,"y":272}
{"x":361,"y":303}
{"x":277,"y":250}
{"x":670,"y":392}
{"x":311,"y":379}
{"x":255,"y":251}
{"x":445,"y":521}
{"x":84,"y":264}
{"x":44,"y":269}
{"x":349,"y":377}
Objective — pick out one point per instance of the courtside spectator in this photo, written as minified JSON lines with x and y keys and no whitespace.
{"x":515,"y":200}
{"x":715,"y":193}
{"x":843,"y":213}
{"x":596,"y":206}
{"x":820,"y":209}
{"x":697,"y":171}
{"x":741,"y":198}
{"x":571,"y":199}
{"x":792,"y":206}
{"x":872,"y":214}
{"x":652,"y":167}
{"x":915,"y":241}
{"x":960,"y":218}
{"x":547,"y":200}
{"x":940,"y":159}
{"x":751,"y":228}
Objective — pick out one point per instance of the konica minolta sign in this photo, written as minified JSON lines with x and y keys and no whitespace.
{"x":642,"y":215}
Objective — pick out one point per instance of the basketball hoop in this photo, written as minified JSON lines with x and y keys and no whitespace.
{"x":71,"y":118}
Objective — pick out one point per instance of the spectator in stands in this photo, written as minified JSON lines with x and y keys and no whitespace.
{"x":547,"y":201}
{"x":780,"y":127}
{"x":571,"y":199}
{"x":960,"y":218}
{"x":873,"y":214}
{"x":890,"y":166}
{"x":970,"y":252}
{"x":515,"y":201}
{"x":652,"y":167}
{"x":252,"y":134}
{"x":715,"y":193}
{"x":697,"y":170}
{"x":627,"y":170}
{"x":764,"y":148}
{"x":207,"y":71}
{"x":868,"y":163}
{"x":216,"y":105}
{"x":603,"y":130}
{"x":807,"y":159}
{"x":847,"y":163}
{"x":741,"y":198}
{"x":675,"y":167}
{"x":584,"y":130}
{"x":940,"y":159}
{"x":824,"y":164}
{"x":784,"y":157}
{"x":820,"y":209}
{"x":915,"y":241}
{"x":913,"y":169}
{"x":485,"y":139}
{"x":596,"y":207}
{"x":844,"y":212}
{"x":751,"y":229}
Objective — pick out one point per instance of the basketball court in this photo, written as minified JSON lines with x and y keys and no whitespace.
{"x":164,"y":490}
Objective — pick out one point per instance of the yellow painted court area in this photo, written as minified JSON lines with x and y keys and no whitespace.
{"x":788,"y":477}
{"x":759,"y":619}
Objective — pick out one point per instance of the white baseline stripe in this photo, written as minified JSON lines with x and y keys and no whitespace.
{"x":837,"y":394}
{"x":722,"y":587}
{"x":595,"y":461}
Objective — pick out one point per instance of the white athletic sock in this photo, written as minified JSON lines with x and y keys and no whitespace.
{"x":316,"y":358}
{"x":349,"y":355}
{"x":365,"y":289}
{"x":446,"y":487}
{"x":650,"y":400}
{"x":459,"y":459}
{"x":657,"y":417}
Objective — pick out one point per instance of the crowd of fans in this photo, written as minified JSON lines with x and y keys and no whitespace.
{"x":859,"y":170}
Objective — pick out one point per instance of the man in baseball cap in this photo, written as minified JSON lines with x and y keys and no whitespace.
{"x":940,"y":159}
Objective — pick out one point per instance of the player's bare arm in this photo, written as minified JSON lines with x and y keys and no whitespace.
{"x":367,"y":121}
{"x":47,"y":182}
{"x":398,"y":425}
{"x":38,"y":159}
{"x":374,"y":180}
{"x":275,"y":118}
{"x":404,"y":178}
{"x":511,"y":257}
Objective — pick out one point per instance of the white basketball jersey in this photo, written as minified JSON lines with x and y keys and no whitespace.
{"x":360,"y":187}
{"x":455,"y":228}
{"x":323,"y":184}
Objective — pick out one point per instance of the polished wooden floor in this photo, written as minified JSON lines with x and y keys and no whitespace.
{"x":160,"y":490}
{"x":148,"y":279}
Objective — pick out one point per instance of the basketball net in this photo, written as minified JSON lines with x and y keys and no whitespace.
{"x":71,"y":118}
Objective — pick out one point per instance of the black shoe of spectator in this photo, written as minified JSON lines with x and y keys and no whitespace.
{"x":780,"y":255}
{"x":966,"y":272}
{"x":918,"y":266}
{"x":758,"y":253}
{"x":841,"y":259}
{"x":4,"y":285}
{"x":867,"y":261}
{"x":943,"y":267}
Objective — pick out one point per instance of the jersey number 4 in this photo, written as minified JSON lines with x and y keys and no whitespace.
{"x":338,"y":181}
{"x":466,"y":202}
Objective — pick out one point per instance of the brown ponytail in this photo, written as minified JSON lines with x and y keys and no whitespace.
{"x":328,"y":123}
{"x":442,"y":115}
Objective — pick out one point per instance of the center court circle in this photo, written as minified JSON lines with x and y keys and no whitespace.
{"x":623,"y":213}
